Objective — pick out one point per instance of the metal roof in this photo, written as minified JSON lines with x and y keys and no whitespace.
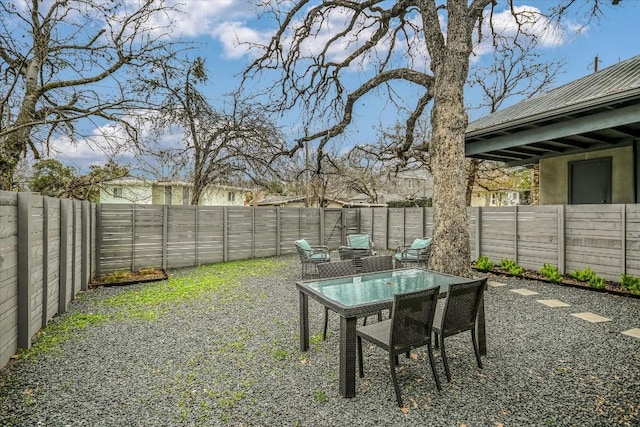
{"x":601,"y":110}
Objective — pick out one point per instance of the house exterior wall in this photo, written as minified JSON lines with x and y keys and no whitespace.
{"x":140,"y":194}
{"x":147,"y":193}
{"x":554,"y":175}
{"x":222,"y":197}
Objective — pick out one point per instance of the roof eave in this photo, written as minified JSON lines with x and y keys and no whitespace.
{"x":616,"y":98}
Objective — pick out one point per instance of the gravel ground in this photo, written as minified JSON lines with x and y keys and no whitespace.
{"x":232,"y":358}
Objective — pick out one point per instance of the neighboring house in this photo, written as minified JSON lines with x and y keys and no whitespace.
{"x":502,"y":187}
{"x":584,"y":135}
{"x":481,"y":197}
{"x":409,"y":185}
{"x":415,"y":184}
{"x":169,"y":193}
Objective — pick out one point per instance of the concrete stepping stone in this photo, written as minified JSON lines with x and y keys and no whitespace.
{"x":591,"y":317}
{"x":525,"y":292}
{"x":553,"y":303}
{"x":496,"y":284}
{"x":635,"y":333}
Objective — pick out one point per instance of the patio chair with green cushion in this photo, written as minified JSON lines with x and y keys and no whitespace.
{"x":417,"y":253}
{"x":311,"y":256}
{"x":357,"y":247}
{"x":361,"y":241}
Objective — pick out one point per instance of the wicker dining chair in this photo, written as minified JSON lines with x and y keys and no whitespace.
{"x":457,"y":315}
{"x":410,"y":327}
{"x":375,"y":263}
{"x":334,"y":269}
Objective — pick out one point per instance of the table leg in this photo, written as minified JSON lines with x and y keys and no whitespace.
{"x":348,"y":356}
{"x":304,"y":322}
{"x":480,"y":328}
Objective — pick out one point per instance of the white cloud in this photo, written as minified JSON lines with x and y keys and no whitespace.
{"x":237,"y":38}
{"x":532,"y":24}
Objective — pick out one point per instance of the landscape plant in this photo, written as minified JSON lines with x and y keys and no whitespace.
{"x":484,"y":263}
{"x":631,"y":283}
{"x":550,"y":272}
{"x":511,"y":266}
{"x":589,"y":276}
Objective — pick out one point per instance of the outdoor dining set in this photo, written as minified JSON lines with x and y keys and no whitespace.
{"x":424,"y":307}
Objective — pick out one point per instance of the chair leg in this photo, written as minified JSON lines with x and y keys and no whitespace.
{"x":433,"y":367}
{"x":326,"y":323}
{"x":476,"y":349}
{"x":396,"y":387}
{"x":444,"y":358}
{"x":360,"y":362}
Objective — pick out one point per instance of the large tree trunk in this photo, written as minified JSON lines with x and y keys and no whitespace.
{"x":15,"y":144}
{"x":10,"y":150}
{"x":451,"y":253}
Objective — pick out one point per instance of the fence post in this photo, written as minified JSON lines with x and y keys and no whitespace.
{"x":478,"y":232}
{"x":64,"y":256}
{"x":74,"y":252}
{"x":165,"y":235}
{"x":133,"y":237}
{"x":45,"y":261}
{"x":225,"y":233}
{"x":98,"y":213}
{"x":343,"y":225}
{"x":515,"y":234}
{"x":253,"y":232}
{"x":322,"y":231}
{"x":195,"y":237}
{"x":561,"y":239}
{"x":84,"y":270}
{"x":623,"y":246}
{"x":278,"y":231}
{"x":24,"y":270}
{"x":386,"y":228}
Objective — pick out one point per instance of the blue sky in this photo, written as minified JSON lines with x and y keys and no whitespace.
{"x":217,"y":26}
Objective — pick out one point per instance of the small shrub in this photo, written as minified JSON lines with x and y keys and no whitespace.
{"x":507,"y":264}
{"x":511,"y":266}
{"x":597,"y":282}
{"x":588,"y":275}
{"x":583,"y":275}
{"x":631,"y":283}
{"x":550,"y":272}
{"x":484,"y":263}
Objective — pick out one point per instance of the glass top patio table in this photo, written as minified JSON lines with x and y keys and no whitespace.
{"x":362,"y":295}
{"x":347,"y":292}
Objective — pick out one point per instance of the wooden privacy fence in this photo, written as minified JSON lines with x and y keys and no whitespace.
{"x":603,"y":237}
{"x":50,"y":249}
{"x":47,"y":255}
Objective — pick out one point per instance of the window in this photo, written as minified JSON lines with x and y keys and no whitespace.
{"x":117,"y":192}
{"x":231,"y":196}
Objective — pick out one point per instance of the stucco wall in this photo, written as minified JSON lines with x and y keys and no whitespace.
{"x":140,"y":194}
{"x":554,"y":176}
{"x":220,"y":197}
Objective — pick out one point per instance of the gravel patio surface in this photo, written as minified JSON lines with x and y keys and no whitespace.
{"x":232,"y":358}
